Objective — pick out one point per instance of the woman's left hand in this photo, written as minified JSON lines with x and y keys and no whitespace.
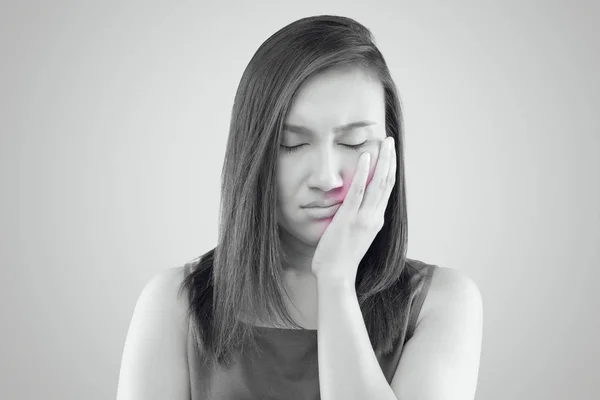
{"x":358,"y":220}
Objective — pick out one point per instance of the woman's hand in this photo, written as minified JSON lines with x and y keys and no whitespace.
{"x":358,"y":220}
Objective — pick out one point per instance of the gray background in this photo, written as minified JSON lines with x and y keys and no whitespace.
{"x":113,"y":121}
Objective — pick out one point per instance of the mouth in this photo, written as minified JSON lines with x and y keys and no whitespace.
{"x":333,"y":205}
{"x":323,"y":204}
{"x":322,"y":212}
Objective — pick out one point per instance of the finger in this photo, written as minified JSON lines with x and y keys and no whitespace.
{"x":356,"y":191}
{"x":376,"y":188}
{"x":391,"y":180}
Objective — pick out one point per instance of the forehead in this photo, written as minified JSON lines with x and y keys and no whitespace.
{"x":333,"y":96}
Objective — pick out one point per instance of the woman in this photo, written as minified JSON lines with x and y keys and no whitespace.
{"x":308,"y":293}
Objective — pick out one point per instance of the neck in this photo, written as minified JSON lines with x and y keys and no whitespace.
{"x":297,"y":256}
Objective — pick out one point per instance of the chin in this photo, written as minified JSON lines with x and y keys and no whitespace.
{"x":308,"y":230}
{"x":312,"y":230}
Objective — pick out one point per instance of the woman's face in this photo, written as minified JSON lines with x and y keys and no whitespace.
{"x":322,"y":167}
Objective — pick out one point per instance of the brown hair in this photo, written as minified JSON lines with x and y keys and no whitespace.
{"x":241,"y":275}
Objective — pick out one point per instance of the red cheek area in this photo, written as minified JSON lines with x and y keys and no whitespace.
{"x":348,"y":181}
{"x":341,"y":195}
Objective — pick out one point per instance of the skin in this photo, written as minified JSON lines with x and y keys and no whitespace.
{"x":322,"y":168}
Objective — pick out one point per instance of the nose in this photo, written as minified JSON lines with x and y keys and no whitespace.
{"x":325,"y":171}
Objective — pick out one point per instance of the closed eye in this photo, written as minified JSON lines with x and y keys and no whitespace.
{"x":291,"y":149}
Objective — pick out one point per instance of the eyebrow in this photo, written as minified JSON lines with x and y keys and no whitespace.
{"x":301,"y":130}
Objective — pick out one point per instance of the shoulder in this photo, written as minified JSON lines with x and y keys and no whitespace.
{"x":449,"y":283}
{"x":165,"y":280}
{"x":451,"y":289}
{"x":446,"y":345}
{"x":156,"y":342}
{"x":161,"y":296}
{"x":165,"y":286}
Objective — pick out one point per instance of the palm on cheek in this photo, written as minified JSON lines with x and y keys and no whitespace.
{"x":358,"y":219}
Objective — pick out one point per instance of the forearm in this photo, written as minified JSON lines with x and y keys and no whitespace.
{"x":348,"y":367}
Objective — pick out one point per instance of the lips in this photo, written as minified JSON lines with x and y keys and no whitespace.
{"x":321,"y":204}
{"x":322,"y":212}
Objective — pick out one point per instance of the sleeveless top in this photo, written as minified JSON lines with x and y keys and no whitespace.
{"x":288,"y":367}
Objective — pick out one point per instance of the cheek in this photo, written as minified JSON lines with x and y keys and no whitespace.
{"x":349,"y":176}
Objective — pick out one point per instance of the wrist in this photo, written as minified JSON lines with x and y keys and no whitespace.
{"x":335,"y":282}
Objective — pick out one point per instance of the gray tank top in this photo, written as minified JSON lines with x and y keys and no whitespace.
{"x":287,"y":367}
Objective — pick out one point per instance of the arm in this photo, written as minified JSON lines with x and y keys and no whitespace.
{"x":154,"y":363}
{"x":439,"y":362}
{"x":348,"y":367}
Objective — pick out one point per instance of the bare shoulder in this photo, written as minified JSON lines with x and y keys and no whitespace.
{"x":441,"y":359}
{"x":154,"y":364}
{"x":162,"y":292}
{"x":448,"y":287}
{"x":168,"y":278}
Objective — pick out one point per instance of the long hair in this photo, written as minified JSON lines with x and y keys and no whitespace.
{"x":242,"y":274}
